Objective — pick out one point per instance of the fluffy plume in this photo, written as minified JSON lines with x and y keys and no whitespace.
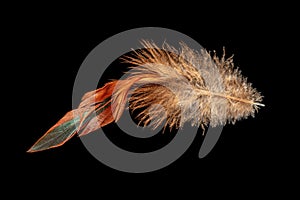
{"x":190,"y":86}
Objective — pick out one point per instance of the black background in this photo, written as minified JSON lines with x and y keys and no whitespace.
{"x":47,"y":48}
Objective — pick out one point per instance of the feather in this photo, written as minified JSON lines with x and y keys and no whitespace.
{"x":58,"y":134}
{"x":93,"y":112}
{"x":190,"y":86}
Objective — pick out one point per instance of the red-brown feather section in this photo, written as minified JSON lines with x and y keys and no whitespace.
{"x":104,"y":118}
{"x":67,"y":117}
{"x":98,"y":95}
{"x":90,"y":103}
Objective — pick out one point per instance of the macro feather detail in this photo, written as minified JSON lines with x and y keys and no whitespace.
{"x":189,"y":86}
